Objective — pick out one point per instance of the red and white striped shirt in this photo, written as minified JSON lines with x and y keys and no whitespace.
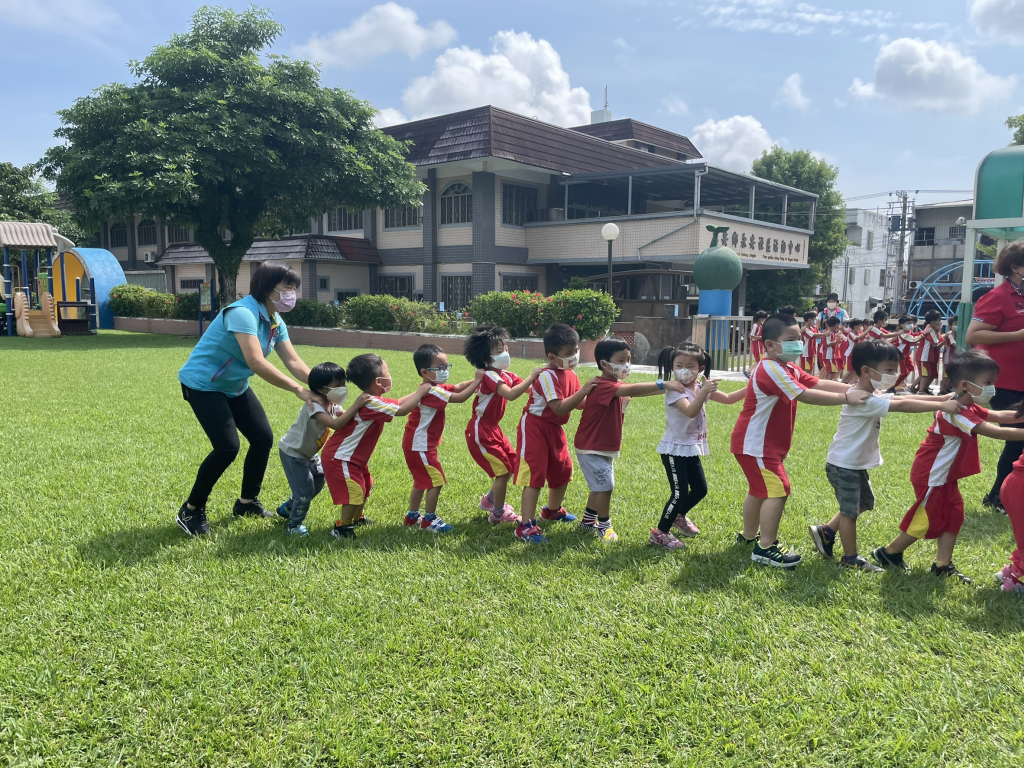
{"x":356,"y":440}
{"x":489,"y":406}
{"x":552,"y":384}
{"x":765,"y":426}
{"x":950,"y":450}
{"x":425,"y":426}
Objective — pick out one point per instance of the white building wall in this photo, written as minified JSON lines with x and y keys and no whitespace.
{"x":857,"y":276}
{"x":342,"y":276}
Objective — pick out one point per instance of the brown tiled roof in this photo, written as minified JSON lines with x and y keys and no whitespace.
{"x":294,"y":247}
{"x":621,"y":130}
{"x":493,"y":132}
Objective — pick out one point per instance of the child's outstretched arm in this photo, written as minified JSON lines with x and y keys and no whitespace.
{"x":410,"y":401}
{"x":337,"y":422}
{"x":466,"y":389}
{"x":822,"y":396}
{"x":923,"y":405}
{"x":728,"y":398}
{"x":513,"y":393}
{"x":649,"y":388}
{"x":1000,"y":433}
{"x":1004,"y":417}
{"x":824,"y":385}
{"x":568,"y":404}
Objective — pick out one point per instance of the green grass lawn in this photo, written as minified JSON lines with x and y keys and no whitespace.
{"x":124,"y":643}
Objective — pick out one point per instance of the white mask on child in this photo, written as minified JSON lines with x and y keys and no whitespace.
{"x":987,"y":393}
{"x":684,"y":375}
{"x":909,"y":326}
{"x":887,"y":381}
{"x":440,"y":377}
{"x":337,"y":395}
{"x":501,"y":361}
{"x":568,"y":363}
{"x":618,"y":371}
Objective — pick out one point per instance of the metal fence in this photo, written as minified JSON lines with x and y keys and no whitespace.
{"x":148,"y":278}
{"x":726,"y":339}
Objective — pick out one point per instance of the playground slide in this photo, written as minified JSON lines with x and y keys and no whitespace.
{"x":35,"y":323}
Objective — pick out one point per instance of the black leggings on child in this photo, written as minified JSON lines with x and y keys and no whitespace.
{"x":686,"y":476}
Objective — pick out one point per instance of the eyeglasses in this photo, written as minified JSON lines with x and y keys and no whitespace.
{"x":447,"y":367}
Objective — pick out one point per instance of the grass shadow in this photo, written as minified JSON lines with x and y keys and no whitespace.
{"x":132,"y":546}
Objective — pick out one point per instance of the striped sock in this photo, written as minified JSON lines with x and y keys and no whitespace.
{"x":604,"y":525}
{"x":589,"y":517}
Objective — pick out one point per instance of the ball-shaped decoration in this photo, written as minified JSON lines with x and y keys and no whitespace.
{"x":718,"y":269}
{"x":609,"y":231}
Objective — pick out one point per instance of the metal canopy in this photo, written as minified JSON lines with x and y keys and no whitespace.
{"x":21,"y":234}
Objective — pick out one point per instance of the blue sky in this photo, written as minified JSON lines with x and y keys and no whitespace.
{"x":899,"y":95}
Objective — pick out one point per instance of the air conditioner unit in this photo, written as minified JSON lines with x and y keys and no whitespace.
{"x":915,"y":284}
{"x":149,"y":257}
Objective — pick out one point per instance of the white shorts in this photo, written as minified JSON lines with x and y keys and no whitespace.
{"x":598,"y":470}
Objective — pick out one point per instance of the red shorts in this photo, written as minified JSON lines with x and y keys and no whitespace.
{"x":1012,"y":497}
{"x":766,"y":477}
{"x":543,"y":454}
{"x":490,"y":448}
{"x":349,"y":483}
{"x":906,"y":366}
{"x":929,"y":369}
{"x":807,"y":363}
{"x":939,"y":509}
{"x":425,"y":468}
{"x":833,"y":366}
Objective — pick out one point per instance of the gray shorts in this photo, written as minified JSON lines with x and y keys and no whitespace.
{"x":853,"y":489}
{"x":598,"y":470}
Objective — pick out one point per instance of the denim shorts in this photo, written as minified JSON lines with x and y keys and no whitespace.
{"x":853,"y":489}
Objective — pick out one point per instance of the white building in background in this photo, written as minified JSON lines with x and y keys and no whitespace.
{"x":862,"y":274}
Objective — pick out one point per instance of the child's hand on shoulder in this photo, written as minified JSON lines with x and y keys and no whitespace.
{"x":361,"y":400}
{"x":537,"y":371}
{"x":951,"y":406}
{"x":857,"y":396}
{"x":673,"y":386}
{"x":590,"y":383}
{"x":479,"y":375}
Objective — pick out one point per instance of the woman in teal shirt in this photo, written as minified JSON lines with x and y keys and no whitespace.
{"x":215,"y":382}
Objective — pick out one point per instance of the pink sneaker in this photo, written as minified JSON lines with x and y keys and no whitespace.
{"x":486,"y":502}
{"x":664,"y":540}
{"x":685,"y":527}
{"x":507,"y":515}
{"x":1010,"y":584}
{"x":1004,"y":574}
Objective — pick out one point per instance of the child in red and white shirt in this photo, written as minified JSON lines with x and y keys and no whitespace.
{"x":906,"y":339}
{"x":928,"y":351}
{"x":948,"y":350}
{"x":764,"y":432}
{"x":346,"y":454}
{"x":949,"y":453}
{"x":1011,"y":495}
{"x":810,"y":337}
{"x":756,"y":345}
{"x":542,"y":452}
{"x":487,"y":350}
{"x":855,"y":334}
{"x":834,"y":345}
{"x":599,"y":434}
{"x":422,"y":436}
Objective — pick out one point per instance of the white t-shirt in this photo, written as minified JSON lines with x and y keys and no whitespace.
{"x":683,"y":436}
{"x":855,"y":445}
{"x":307,"y":435}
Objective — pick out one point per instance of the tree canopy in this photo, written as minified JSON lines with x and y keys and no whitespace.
{"x":1016,"y":126}
{"x":771,"y":289}
{"x":24,"y":197}
{"x":216,"y":136}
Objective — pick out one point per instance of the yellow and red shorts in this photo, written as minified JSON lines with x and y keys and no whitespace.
{"x":543,"y":454}
{"x":425,"y":468}
{"x":928,"y":369}
{"x":490,"y":448}
{"x":348,"y":483}
{"x":938,"y":509}
{"x":766,"y":477}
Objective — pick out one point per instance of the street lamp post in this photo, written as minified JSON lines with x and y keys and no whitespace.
{"x":609,"y":232}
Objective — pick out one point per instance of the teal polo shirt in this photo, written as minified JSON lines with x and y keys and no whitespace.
{"x":217,"y":363}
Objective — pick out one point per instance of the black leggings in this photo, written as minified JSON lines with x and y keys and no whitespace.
{"x":1006,"y":400}
{"x":222,"y":418}
{"x":686,"y":478}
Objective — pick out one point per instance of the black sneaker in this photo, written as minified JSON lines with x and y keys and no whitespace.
{"x":741,"y":539}
{"x":992,"y":501}
{"x":192,"y":521}
{"x":887,"y":561}
{"x":950,"y":570}
{"x":363,"y":521}
{"x":824,"y":539}
{"x":340,"y":531}
{"x":253,"y":509}
{"x":859,"y":563}
{"x":775,"y":556}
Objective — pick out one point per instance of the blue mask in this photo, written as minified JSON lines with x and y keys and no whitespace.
{"x":791,"y":351}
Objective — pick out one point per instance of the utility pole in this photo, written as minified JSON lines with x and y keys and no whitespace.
{"x":897,"y":293}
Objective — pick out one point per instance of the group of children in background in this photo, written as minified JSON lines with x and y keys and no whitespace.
{"x":862,"y":365}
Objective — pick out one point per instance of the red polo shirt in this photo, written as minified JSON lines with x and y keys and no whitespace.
{"x":1003,"y":308}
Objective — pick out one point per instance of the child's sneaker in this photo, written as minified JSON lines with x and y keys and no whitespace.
{"x":506,"y":515}
{"x":859,"y":563}
{"x":824,"y":539}
{"x":607,"y":534}
{"x":1005,"y":573}
{"x":588,"y":525}
{"x":297,"y":530}
{"x":664,"y":540}
{"x":530,"y":531}
{"x":744,"y":541}
{"x":949,"y":570}
{"x":887,"y":561}
{"x":487,"y":502}
{"x":775,"y":556}
{"x":431,"y":522}
{"x":284,"y":510}
{"x":1011,"y":584}
{"x":340,"y":531}
{"x":561,"y":516}
{"x":411,"y":519}
{"x":359,"y":523}
{"x":686,"y":526}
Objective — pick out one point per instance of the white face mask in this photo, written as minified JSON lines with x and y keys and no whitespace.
{"x":337,"y":395}
{"x":441,"y":377}
{"x":618,"y":371}
{"x":684,"y":375}
{"x":832,"y":305}
{"x":568,"y":363}
{"x":987,"y":393}
{"x":385,"y":387}
{"x":909,"y":326}
{"x":887,"y":380}
{"x":501,"y":361}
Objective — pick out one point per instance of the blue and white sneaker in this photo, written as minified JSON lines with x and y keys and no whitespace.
{"x":284,"y":510}
{"x":298,"y":530}
{"x":561,"y":516}
{"x":530,"y":532}
{"x":431,"y":522}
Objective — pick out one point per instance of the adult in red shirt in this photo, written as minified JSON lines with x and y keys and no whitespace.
{"x":997,"y":327}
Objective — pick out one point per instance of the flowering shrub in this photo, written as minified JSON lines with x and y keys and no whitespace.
{"x":388,"y":313}
{"x":523,"y":313}
{"x":591,"y":313}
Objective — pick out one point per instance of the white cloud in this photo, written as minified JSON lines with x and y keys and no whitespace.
{"x":792,"y":93}
{"x":1000,"y":19}
{"x":784,"y":17}
{"x":673,"y":105}
{"x":389,"y":116}
{"x":623,"y":45}
{"x":933,"y":76}
{"x":520,"y":74}
{"x":382,"y":29}
{"x":74,"y":18}
{"x":734,"y":142}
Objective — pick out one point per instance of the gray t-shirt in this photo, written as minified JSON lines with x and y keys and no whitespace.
{"x":307,"y":435}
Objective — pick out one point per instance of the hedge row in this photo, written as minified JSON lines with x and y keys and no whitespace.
{"x":129,"y":300}
{"x":523,"y":313}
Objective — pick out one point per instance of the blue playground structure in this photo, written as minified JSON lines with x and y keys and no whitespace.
{"x":942,"y":289}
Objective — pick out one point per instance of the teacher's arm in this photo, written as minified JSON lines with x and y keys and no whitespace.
{"x":250,"y":346}
{"x":292,"y":361}
{"x":984,"y":333}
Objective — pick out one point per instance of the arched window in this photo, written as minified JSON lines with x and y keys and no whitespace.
{"x":147,"y":232}
{"x":118,"y":236}
{"x":457,"y":204}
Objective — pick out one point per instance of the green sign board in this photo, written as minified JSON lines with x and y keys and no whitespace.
{"x":205,"y":298}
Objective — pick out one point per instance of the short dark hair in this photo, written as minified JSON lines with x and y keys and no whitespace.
{"x":858,"y":321}
{"x":789,"y":309}
{"x":424,"y":356}
{"x":833,"y":322}
{"x":268,"y":275}
{"x":557,"y":336}
{"x":832,"y":296}
{"x":607,"y":347}
{"x":880,"y":316}
{"x":363,"y":370}
{"x":321,"y":376}
{"x":873,"y":352}
{"x":969,"y":364}
{"x":760,"y":315}
{"x":810,"y":315}
{"x":776,"y":325}
{"x":479,"y":341}
{"x":932,"y":315}
{"x":905,"y":318}
{"x":1011,"y":256}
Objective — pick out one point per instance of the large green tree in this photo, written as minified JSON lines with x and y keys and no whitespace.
{"x":24,"y":197}
{"x":215,"y":135}
{"x":771,"y":289}
{"x":1016,"y":126}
